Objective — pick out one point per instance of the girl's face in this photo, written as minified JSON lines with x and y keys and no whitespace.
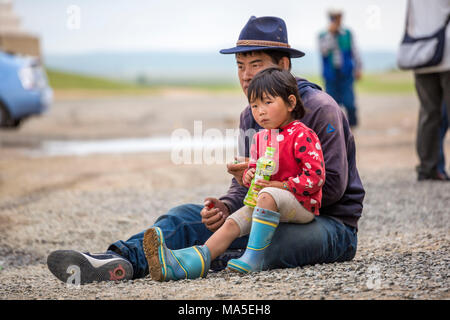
{"x":273,"y":112}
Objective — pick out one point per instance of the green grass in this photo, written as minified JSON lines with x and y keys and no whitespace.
{"x":60,"y":80}
{"x":66,"y":80}
{"x":200,"y":84}
{"x":394,"y":82}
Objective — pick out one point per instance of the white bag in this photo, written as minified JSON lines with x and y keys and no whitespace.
{"x":421,"y":52}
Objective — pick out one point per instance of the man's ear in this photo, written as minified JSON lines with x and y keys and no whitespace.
{"x":284,"y":63}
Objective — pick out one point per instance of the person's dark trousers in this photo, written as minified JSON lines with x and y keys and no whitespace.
{"x":341,"y":89}
{"x":433,"y":89}
{"x":444,"y":128}
{"x":324,"y":240}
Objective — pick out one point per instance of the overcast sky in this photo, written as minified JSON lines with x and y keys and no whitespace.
{"x":76,"y":26}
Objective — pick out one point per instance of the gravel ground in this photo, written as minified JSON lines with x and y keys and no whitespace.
{"x":85,"y":203}
{"x":403,"y":251}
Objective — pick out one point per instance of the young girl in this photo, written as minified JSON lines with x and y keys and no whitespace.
{"x":293,"y":193}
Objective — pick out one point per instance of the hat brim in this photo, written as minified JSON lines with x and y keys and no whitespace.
{"x":292,"y":52}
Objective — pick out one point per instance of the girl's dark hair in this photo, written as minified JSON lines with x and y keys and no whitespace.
{"x":277,"y":83}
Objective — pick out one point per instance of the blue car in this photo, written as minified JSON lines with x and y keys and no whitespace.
{"x":24,"y":89}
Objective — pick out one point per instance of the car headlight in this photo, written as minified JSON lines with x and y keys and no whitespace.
{"x":27,"y":78}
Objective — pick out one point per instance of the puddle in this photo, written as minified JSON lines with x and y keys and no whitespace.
{"x":129,"y":145}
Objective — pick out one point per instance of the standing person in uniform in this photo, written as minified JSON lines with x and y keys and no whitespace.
{"x":341,"y":64}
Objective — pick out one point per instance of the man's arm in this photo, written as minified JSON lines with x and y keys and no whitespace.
{"x":356,"y":57}
{"x":327,"y":42}
{"x":328,"y":127}
{"x":234,"y":198}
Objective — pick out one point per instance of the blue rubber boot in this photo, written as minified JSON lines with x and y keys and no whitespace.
{"x":264,"y":223}
{"x":165,"y":264}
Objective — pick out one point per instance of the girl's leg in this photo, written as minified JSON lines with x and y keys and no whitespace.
{"x":219,"y":242}
{"x":287,"y":205}
{"x":182,"y":227}
{"x":165,"y":264}
{"x":188,"y":263}
{"x":264,"y":222}
{"x":273,"y":205}
{"x":266,"y":201}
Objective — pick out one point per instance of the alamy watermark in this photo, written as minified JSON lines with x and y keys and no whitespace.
{"x":373,"y":281}
{"x":373,"y":17}
{"x":73,"y":21}
{"x":213,"y":146}
{"x":74,"y":279}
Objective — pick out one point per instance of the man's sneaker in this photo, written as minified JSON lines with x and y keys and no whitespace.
{"x":75,"y":267}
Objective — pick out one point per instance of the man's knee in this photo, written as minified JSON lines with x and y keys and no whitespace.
{"x":179,"y":209}
{"x":300,"y":235}
{"x":323,"y":240}
{"x":182,"y":212}
{"x":295,"y":245}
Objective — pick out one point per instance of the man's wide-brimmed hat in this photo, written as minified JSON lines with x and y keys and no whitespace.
{"x":264,"y":33}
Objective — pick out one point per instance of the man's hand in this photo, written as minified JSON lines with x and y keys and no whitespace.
{"x":214,"y":214}
{"x":237,"y":169}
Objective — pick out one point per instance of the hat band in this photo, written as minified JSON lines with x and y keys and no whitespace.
{"x":262,"y":43}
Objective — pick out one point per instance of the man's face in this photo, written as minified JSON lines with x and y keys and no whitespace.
{"x":250,"y":64}
{"x":337,"y":20}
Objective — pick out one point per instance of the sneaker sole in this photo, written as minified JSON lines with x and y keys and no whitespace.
{"x":72,"y":267}
{"x":152,"y":244}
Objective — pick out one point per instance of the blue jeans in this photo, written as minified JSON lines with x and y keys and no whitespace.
{"x":341,"y":89}
{"x":324,"y":240}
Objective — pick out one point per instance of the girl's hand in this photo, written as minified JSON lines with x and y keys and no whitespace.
{"x":249,"y":176}
{"x":264,"y":184}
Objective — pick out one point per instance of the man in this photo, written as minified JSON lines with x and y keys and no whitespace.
{"x":432,"y":86}
{"x":331,"y":237}
{"x":341,"y":64}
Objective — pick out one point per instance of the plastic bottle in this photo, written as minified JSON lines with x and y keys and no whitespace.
{"x":265,"y":167}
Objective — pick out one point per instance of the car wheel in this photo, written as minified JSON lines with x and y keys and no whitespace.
{"x":16,"y":123}
{"x":4,"y":116}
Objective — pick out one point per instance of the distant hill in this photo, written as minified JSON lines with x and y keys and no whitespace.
{"x":172,"y":67}
{"x":384,"y":83}
{"x":139,"y":72}
{"x":69,"y":80}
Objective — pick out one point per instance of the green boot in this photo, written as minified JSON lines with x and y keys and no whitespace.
{"x":264,"y":223}
{"x":165,"y":264}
